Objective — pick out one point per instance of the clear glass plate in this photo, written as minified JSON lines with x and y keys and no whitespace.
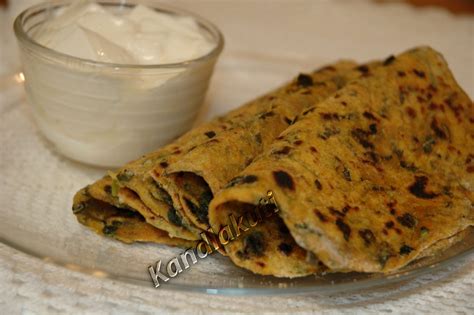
{"x":37,"y":186}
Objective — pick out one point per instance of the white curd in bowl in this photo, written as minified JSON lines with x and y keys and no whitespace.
{"x":108,"y":83}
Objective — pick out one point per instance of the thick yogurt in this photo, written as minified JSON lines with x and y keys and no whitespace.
{"x":141,"y":36}
{"x":108,"y":115}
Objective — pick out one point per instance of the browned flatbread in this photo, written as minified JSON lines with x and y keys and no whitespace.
{"x":205,"y":168}
{"x":374,"y":175}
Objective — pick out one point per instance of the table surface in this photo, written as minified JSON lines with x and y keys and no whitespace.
{"x":305,"y":30}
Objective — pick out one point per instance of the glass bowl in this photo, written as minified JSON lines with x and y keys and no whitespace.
{"x":107,"y":114}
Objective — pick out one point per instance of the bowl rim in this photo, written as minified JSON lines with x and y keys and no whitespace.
{"x":55,"y":55}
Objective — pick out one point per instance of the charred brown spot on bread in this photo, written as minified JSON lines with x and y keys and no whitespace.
{"x":254,"y":244}
{"x":397,"y":151}
{"x":389,"y":224}
{"x":248,"y":160}
{"x":110,"y":229}
{"x":330,"y":116}
{"x":407,"y":220}
{"x":373,"y":129}
{"x":347,"y":208}
{"x":389,"y":60}
{"x":247,"y":179}
{"x":405,"y":250}
{"x":411,"y":112}
{"x":456,"y":109}
{"x":298,"y":142}
{"x":267,"y":114}
{"x":335,"y":212}
{"x":367,"y":235}
{"x":363,"y":69}
{"x":313,"y":149}
{"x":344,"y":228}
{"x":362,"y":137}
{"x":328,"y":132}
{"x":283,"y":180}
{"x":320,"y":216}
{"x":376,"y":187}
{"x":401,"y":73}
{"x":369,"y":115}
{"x":469,"y":158}
{"x":108,"y":189}
{"x":418,"y":188}
{"x":258,"y":138}
{"x":447,"y":191}
{"x":372,"y":156}
{"x":346,"y":174}
{"x":164,"y":164}
{"x":309,"y":110}
{"x":419,"y":73}
{"x":434,"y":106}
{"x":283,"y":151}
{"x":408,"y":166}
{"x":261,"y":264}
{"x":440,"y":132}
{"x":210,"y":134}
{"x":285,"y":248}
{"x":391,"y":205}
{"x":287,"y":120}
{"x":304,"y":80}
{"x":318,"y":185}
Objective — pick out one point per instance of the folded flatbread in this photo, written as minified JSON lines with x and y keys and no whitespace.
{"x":125,"y":225}
{"x":377,"y":175}
{"x":236,"y":138}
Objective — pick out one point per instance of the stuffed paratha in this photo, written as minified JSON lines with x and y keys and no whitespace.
{"x":374,"y":175}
